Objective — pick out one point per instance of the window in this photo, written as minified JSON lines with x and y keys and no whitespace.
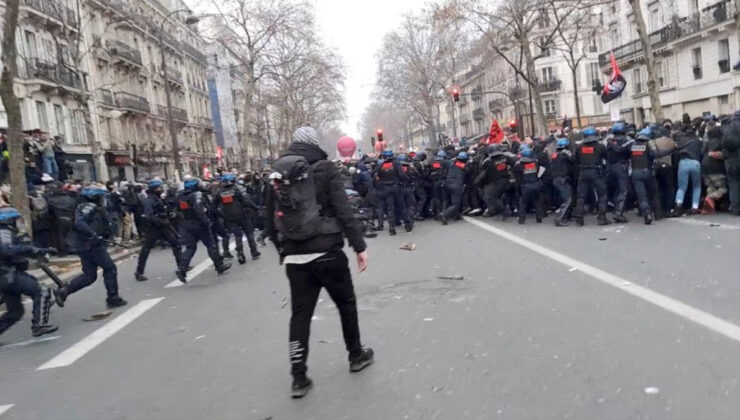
{"x":656,"y":18}
{"x":661,"y":69}
{"x":696,"y":63}
{"x":547,"y":74}
{"x":637,"y":77}
{"x":550,"y":106}
{"x":724,"y":56}
{"x":614,"y":34}
{"x":79,"y":131}
{"x":48,"y":50}
{"x":594,"y":74}
{"x":59,"y":120}
{"x":43,"y":120}
{"x":31,"y":45}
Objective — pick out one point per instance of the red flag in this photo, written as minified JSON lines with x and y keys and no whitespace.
{"x":496,"y":134}
{"x":616,"y":84}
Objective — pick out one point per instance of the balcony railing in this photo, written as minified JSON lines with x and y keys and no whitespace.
{"x":717,"y":13}
{"x":496,"y":104}
{"x":193,"y":52}
{"x":53,"y":9}
{"x":479,"y":114}
{"x":132,"y":102}
{"x":125,"y":51}
{"x":476,"y":92}
{"x":464,"y":119}
{"x":178,"y":114}
{"x":105,"y":97}
{"x":174,"y":74}
{"x":551,"y":85}
{"x":204,"y":121}
{"x":37,"y":68}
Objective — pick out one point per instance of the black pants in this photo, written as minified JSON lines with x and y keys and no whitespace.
{"x":646,"y":191}
{"x":409,"y":198}
{"x":619,"y":175}
{"x":565,"y":193}
{"x":588,"y":180}
{"x":96,"y":256}
{"x":390,"y":195}
{"x":192,"y":233}
{"x":666,"y":179}
{"x":12,"y":287}
{"x":494,"y":196}
{"x":330,"y":271}
{"x":220,"y":232}
{"x":531,"y":195}
{"x":438,"y":198}
{"x":240,"y":228}
{"x":154,"y":235}
{"x":732,"y":166}
{"x":455,"y":194}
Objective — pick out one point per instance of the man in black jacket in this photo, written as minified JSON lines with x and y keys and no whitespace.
{"x":731,"y":153}
{"x":319,"y":261}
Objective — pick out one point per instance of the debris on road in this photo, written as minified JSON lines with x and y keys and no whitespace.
{"x":602,"y":239}
{"x":199,"y":337}
{"x":455,"y":277}
{"x":428,"y":319}
{"x":715,"y":225}
{"x":437,"y":388}
{"x":651,"y":390}
{"x":572,"y":269}
{"x":408,"y":246}
{"x":285,"y":303}
{"x":98,"y":316}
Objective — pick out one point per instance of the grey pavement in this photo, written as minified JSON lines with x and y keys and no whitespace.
{"x":523,"y":336}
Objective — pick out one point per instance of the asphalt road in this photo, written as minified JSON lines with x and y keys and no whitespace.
{"x":617,"y":322}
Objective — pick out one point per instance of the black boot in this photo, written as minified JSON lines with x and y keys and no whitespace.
{"x":407,"y":225}
{"x":392,"y":230}
{"x":677,"y":211}
{"x":140,"y":277}
{"x":227,"y":255}
{"x":365,"y":359}
{"x":602,"y":220}
{"x":38,"y":330}
{"x":522,"y":220}
{"x":561,"y":223}
{"x":256,"y":255}
{"x":223,"y":267}
{"x":241,"y":258}
{"x":182,"y":276}
{"x":579,"y":221}
{"x":301,"y":386}
{"x":620,"y":218}
{"x":648,"y":218}
{"x":60,"y":296}
{"x":115,"y":302}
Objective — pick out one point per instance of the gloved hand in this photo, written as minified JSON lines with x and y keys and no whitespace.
{"x":96,"y":240}
{"x":51,"y":251}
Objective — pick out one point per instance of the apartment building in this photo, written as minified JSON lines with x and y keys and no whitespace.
{"x":695,"y":43}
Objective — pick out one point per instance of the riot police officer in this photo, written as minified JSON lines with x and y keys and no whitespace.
{"x":590,"y":157}
{"x":234,"y":204}
{"x":642,"y":156}
{"x":617,"y":156}
{"x":494,"y":178}
{"x":157,"y":227}
{"x":15,"y":281}
{"x":408,"y":188}
{"x":527,"y":173}
{"x":218,"y":224}
{"x":196,"y":226}
{"x":424,"y":186}
{"x":388,"y":177}
{"x":455,"y":185}
{"x":563,"y":174}
{"x":92,"y":228}
{"x":438,"y":176}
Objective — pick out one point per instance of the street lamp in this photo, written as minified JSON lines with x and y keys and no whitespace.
{"x":190,"y":20}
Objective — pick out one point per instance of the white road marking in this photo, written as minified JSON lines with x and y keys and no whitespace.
{"x":88,"y":343}
{"x":674,"y":306}
{"x":4,"y":408}
{"x":29,"y":342}
{"x":196,"y":271}
{"x":704,"y":223}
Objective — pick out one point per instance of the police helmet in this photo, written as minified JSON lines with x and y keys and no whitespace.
{"x":228,"y":179}
{"x":525,"y":151}
{"x":442,"y":154}
{"x":191,"y":184}
{"x":9,"y":216}
{"x":421,"y":156}
{"x":462,"y":156}
{"x":93,"y":192}
{"x":154,"y":184}
{"x":387,"y":153}
{"x":402,"y":158}
{"x":618,"y":128}
{"x":589,"y":132}
{"x":645,"y":134}
{"x":563,"y":143}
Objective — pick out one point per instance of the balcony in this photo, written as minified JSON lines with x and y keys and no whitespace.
{"x":206,"y":121}
{"x":55,"y":73}
{"x":718,"y":13}
{"x":105,"y":97}
{"x":54,"y":10}
{"x":479,"y":114}
{"x":496,"y":104}
{"x":724,"y":65}
{"x":463,"y":101}
{"x":476,"y":92}
{"x":130,"y":102}
{"x":174,"y":75}
{"x":178,"y":114}
{"x":193,"y":52}
{"x":551,"y":85}
{"x":464,"y":119}
{"x":124,"y":53}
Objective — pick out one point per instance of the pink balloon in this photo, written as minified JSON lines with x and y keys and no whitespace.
{"x":346,"y":146}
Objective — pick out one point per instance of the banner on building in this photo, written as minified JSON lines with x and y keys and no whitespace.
{"x":616,"y":84}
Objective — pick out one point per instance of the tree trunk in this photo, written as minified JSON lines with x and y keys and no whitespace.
{"x":652,"y":81}
{"x":13,"y":110}
{"x":532,"y":75}
{"x":574,"y":74}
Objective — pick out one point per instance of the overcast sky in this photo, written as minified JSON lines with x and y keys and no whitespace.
{"x":355,"y":29}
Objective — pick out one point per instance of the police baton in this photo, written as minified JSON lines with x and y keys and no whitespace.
{"x":114,"y":243}
{"x":42,"y":260}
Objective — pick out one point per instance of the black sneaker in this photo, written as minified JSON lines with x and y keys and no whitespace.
{"x":256,"y":256}
{"x":140,"y":277}
{"x":648,"y":218}
{"x":241,"y":258}
{"x":620,"y":218}
{"x":182,"y":276}
{"x":39,"y":330}
{"x":222,"y":268}
{"x":115,"y":302}
{"x":301,"y":386}
{"x":392,"y":231}
{"x":603,"y":221}
{"x":365,"y":359}
{"x":227,"y":255}
{"x":60,"y":296}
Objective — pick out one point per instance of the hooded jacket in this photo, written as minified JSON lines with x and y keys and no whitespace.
{"x":331,"y":197}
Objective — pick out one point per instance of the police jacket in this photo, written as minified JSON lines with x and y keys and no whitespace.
{"x":14,"y":252}
{"x":495,"y":167}
{"x":590,"y":154}
{"x":526,"y":170}
{"x":333,"y":201}
{"x":411,"y":175}
{"x":62,"y":205}
{"x":90,"y":220}
{"x":155,"y":211}
{"x":617,"y":149}
{"x":457,"y":173}
{"x":563,"y":165}
{"x":193,"y":207}
{"x":438,"y":170}
{"x":234,"y":202}
{"x":389,"y":172}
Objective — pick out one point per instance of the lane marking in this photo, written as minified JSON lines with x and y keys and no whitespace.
{"x":29,"y":342}
{"x":196,"y":271}
{"x":674,"y":306}
{"x":4,"y":408}
{"x":98,"y":336}
{"x":704,"y":223}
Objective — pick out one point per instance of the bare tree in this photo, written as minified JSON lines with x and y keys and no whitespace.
{"x":12,"y":106}
{"x":647,"y":48}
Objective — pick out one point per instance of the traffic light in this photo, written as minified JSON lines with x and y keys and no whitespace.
{"x":380,"y":134}
{"x":455,"y":95}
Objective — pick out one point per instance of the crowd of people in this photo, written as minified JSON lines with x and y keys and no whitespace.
{"x":662,"y":170}
{"x":43,"y":156}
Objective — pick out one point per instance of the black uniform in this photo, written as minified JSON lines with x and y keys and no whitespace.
{"x":494,"y":178}
{"x":590,"y":157}
{"x":389,"y":177}
{"x":526,"y":172}
{"x":236,"y":207}
{"x":618,"y":155}
{"x":157,"y":227}
{"x":438,"y":175}
{"x":563,"y":174}
{"x":15,"y":282}
{"x":642,"y":155}
{"x":408,"y":189}
{"x":196,"y":226}
{"x":455,"y":184}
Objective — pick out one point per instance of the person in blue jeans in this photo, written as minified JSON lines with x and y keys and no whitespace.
{"x":688,"y":153}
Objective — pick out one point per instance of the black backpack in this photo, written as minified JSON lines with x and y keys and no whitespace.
{"x":297,"y":212}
